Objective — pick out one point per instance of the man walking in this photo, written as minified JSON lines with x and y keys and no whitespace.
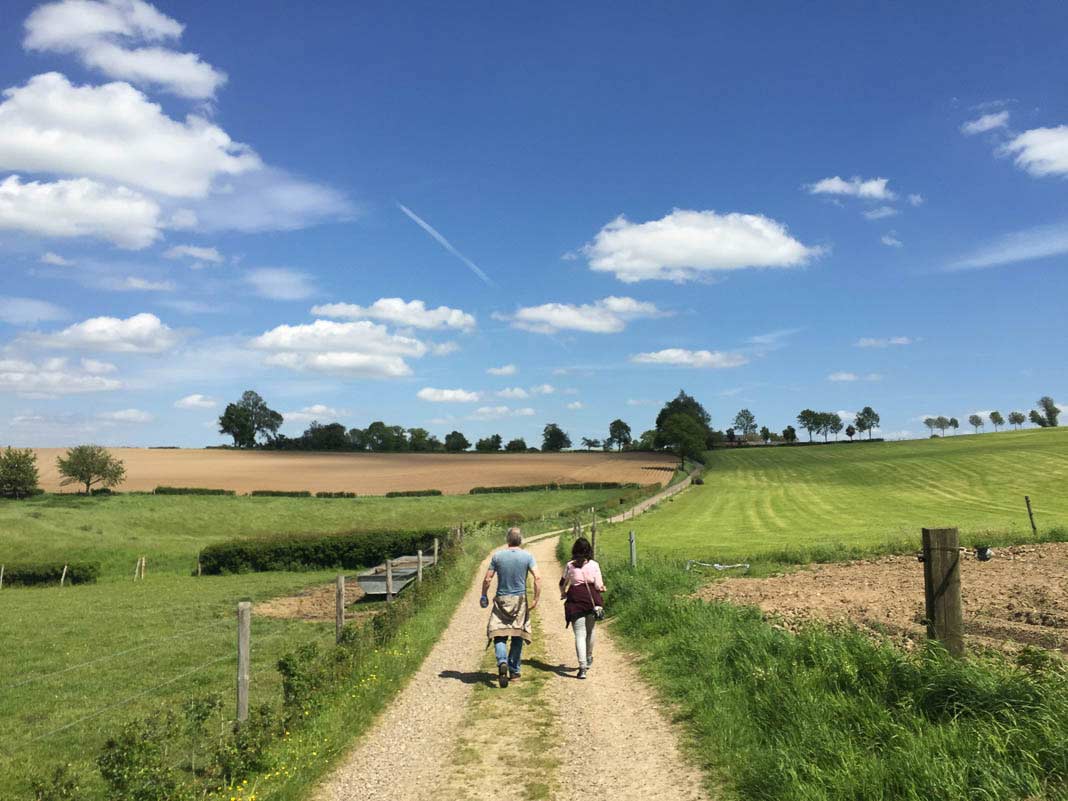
{"x":510,"y":616}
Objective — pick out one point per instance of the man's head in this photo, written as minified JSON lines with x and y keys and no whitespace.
{"x":515,"y":537}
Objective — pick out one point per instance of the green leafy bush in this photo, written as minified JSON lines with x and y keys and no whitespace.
{"x":18,"y":473}
{"x":32,"y":574}
{"x":413,"y":493}
{"x":335,"y":495}
{"x":163,"y":490}
{"x":280,"y":494}
{"x":585,"y":485}
{"x":311,"y":552}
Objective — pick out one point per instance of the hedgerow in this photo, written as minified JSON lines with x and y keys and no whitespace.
{"x":413,"y":493}
{"x":36,"y":573}
{"x":280,"y":493}
{"x":163,"y":490}
{"x":335,"y":495}
{"x":585,"y":485}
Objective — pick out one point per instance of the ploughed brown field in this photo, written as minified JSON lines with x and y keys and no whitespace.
{"x":365,"y":473}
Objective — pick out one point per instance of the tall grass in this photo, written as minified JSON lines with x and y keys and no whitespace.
{"x":831,"y":714}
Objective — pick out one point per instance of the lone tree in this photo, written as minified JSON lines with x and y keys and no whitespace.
{"x":590,"y":444}
{"x":456,"y":442}
{"x":490,"y":444}
{"x":688,"y":405}
{"x":618,"y":434}
{"x":745,"y":422}
{"x":18,"y":473}
{"x":954,"y":423}
{"x":89,"y":465}
{"x":554,"y":438}
{"x":249,"y":418}
{"x":517,"y":445}
{"x":1047,"y":413}
{"x":789,"y":434}
{"x":996,"y":420}
{"x":976,"y":422}
{"x":683,"y":435}
{"x":850,"y":432}
{"x":867,"y":419}
{"x":765,"y":434}
{"x":1017,"y":419}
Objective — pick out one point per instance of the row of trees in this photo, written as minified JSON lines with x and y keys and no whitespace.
{"x":1045,"y":416}
{"x":88,"y":465}
{"x":818,"y":423}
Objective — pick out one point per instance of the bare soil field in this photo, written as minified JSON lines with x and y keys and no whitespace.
{"x":365,"y":473}
{"x":1018,"y":598}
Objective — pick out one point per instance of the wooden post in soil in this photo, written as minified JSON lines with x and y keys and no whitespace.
{"x":1,"y":577}
{"x":419,"y":567}
{"x":244,"y":639}
{"x":633,"y":550}
{"x":941,"y":587}
{"x":593,"y":535}
{"x":142,"y":568}
{"x":63,"y":576}
{"x":137,"y":569}
{"x":435,"y":551}
{"x":389,"y":581}
{"x":1031,"y":515}
{"x":339,"y":607}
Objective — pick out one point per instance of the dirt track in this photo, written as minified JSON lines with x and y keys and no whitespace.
{"x":1020,"y":597}
{"x":366,"y":473}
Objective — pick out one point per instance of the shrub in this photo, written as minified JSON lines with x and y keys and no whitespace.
{"x":18,"y":473}
{"x":585,"y":485}
{"x":28,"y":574}
{"x":162,"y":490}
{"x":311,"y":552}
{"x":335,"y":495}
{"x":413,"y":493}
{"x":89,"y":465}
{"x":280,"y":494}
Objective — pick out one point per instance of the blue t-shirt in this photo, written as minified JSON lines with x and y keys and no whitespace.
{"x":511,"y":566}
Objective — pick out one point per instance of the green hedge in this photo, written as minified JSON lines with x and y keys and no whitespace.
{"x":280,"y":493}
{"x":413,"y":493}
{"x":335,"y":495}
{"x":309,"y":552}
{"x":192,"y":491}
{"x":585,"y":485}
{"x":28,"y":574}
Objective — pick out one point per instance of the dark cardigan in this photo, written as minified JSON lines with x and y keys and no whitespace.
{"x":579,"y":601}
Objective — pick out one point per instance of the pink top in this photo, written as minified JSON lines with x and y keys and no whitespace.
{"x":589,"y":573}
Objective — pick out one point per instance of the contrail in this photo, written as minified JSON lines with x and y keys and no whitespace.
{"x":445,"y":243}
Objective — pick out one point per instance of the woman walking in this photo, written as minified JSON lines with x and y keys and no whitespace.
{"x":580,"y":588}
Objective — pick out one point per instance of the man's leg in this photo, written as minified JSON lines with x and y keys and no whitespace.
{"x":500,"y":649}
{"x":515,"y":655}
{"x":579,"y":625}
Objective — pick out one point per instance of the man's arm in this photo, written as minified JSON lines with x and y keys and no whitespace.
{"x":486,"y":581}
{"x":537,"y":585}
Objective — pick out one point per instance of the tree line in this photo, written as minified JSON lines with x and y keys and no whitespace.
{"x":1045,"y":416}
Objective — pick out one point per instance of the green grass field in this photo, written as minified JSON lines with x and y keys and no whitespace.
{"x":792,"y":503}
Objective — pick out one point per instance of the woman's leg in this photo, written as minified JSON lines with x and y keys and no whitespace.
{"x":591,"y":625}
{"x":579,"y":625}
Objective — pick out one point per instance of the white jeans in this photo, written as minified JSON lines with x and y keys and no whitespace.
{"x":583,"y":627}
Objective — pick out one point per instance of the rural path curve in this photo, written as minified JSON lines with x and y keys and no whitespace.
{"x":607,"y":733}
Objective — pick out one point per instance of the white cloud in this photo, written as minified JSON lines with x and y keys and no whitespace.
{"x":196,"y":401}
{"x":448,"y":395}
{"x":413,"y":314}
{"x":641,"y":402}
{"x":133,"y":283}
{"x":194,"y":252}
{"x":49,"y":378}
{"x":113,"y":132}
{"x":316,"y":411}
{"x":344,"y":363}
{"x":499,"y":413}
{"x":55,"y":260}
{"x":686,"y":244}
{"x":915,"y":199}
{"x":543,"y":389}
{"x":278,"y":283}
{"x":867,"y":189}
{"x":78,"y":207}
{"x":513,"y":393}
{"x":27,"y":311}
{"x":105,"y":35}
{"x":94,"y":367}
{"x":681,"y":357}
{"x":127,"y":416}
{"x":1033,"y":243}
{"x":880,"y":213}
{"x":575,"y":405}
{"x":987,"y":122}
{"x":605,"y":316}
{"x":141,"y":333}
{"x":843,"y":376}
{"x":504,"y":369}
{"x":444,"y":348}
{"x":1041,"y":151}
{"x":883,"y":342}
{"x":891,"y":240}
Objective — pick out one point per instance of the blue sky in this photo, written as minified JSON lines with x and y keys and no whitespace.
{"x":359,"y":212}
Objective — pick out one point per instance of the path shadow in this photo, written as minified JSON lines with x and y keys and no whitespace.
{"x":567,"y":671}
{"x":470,"y":677}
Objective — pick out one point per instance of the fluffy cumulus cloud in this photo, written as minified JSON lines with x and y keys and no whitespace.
{"x":141,"y":333}
{"x":575,"y":405}
{"x":1041,"y":151}
{"x":866,"y":189}
{"x":52,"y":377}
{"x":681,"y":357}
{"x":689,"y":244}
{"x":448,"y":395}
{"x":891,"y":240}
{"x":513,"y":393}
{"x":503,"y":370}
{"x":500,"y":412}
{"x":127,"y":416}
{"x":410,"y":314}
{"x":123,"y":39}
{"x":543,"y":389}
{"x":987,"y":122}
{"x":78,"y":207}
{"x":844,"y":376}
{"x":883,"y":342}
{"x":606,"y":316}
{"x":317,"y":411}
{"x":27,"y":311}
{"x":113,"y":132}
{"x":278,"y":283}
{"x":195,"y":401}
{"x":55,"y":260}
{"x":196,"y":252}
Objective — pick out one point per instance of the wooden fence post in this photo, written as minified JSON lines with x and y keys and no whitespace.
{"x":419,"y":567}
{"x":435,"y":551}
{"x":142,"y":568}
{"x":137,"y":569}
{"x":63,"y":576}
{"x":339,"y":607}
{"x":1,"y":577}
{"x":389,"y":581}
{"x":1031,"y":515}
{"x":941,"y":586}
{"x":593,"y":535}
{"x":244,"y":636}
{"x":633,"y":550}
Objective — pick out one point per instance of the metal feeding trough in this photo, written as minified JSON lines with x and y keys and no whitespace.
{"x":405,"y":570}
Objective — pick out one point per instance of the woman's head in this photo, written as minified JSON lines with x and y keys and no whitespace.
{"x":581,"y":552}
